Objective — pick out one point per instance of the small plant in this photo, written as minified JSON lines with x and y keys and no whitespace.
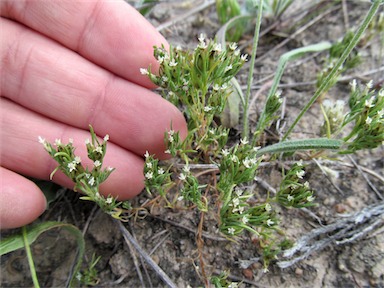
{"x":199,"y":82}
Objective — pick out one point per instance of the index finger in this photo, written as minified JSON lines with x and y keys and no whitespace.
{"x":111,"y":34}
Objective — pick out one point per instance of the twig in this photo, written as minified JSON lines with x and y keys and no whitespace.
{"x":135,"y":261}
{"x":342,"y":231}
{"x":184,"y":16}
{"x":128,"y":237}
{"x":366,"y":178}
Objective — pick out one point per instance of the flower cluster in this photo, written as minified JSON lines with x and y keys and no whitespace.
{"x":191,"y":190}
{"x":367,"y":112}
{"x":237,"y":215}
{"x":294,"y":192}
{"x":238,"y":164}
{"x":334,"y":116}
{"x":87,"y":180}
{"x":269,"y":114}
{"x":156,"y":177}
{"x":198,"y":80}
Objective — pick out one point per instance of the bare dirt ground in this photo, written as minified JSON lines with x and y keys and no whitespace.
{"x":349,"y":198}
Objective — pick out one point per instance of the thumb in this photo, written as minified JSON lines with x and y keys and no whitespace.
{"x":21,"y":201}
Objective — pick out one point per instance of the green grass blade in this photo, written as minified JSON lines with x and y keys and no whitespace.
{"x":17,"y":241}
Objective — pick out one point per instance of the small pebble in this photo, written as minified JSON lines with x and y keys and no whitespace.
{"x":248,"y":273}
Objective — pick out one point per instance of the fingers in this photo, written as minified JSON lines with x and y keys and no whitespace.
{"x":21,"y":151}
{"x":47,"y":78}
{"x":111,"y":34}
{"x":21,"y":200}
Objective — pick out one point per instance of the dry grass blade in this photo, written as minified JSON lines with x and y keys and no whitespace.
{"x":128,"y":237}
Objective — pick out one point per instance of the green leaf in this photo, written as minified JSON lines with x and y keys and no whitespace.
{"x":305,"y":144}
{"x":16,"y":242}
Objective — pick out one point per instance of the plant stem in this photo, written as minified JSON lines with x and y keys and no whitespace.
{"x":30,"y":258}
{"x":332,"y":74}
{"x":251,"y":68}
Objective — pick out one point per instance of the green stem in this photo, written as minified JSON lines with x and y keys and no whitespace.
{"x":30,"y":258}
{"x":251,"y":68}
{"x":283,"y":61}
{"x":335,"y":69}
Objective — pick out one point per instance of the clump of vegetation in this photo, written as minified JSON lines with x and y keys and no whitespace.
{"x":199,"y":83}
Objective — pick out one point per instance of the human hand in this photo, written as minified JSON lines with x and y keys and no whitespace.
{"x":66,"y":65}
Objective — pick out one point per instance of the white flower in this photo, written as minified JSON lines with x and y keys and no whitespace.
{"x":182,"y":176}
{"x":201,"y":37}
{"x":109,"y":200}
{"x":41,"y":140}
{"x":306,"y":184}
{"x":300,"y":174}
{"x":244,"y":141}
{"x":186,"y":168}
{"x":268,"y":207}
{"x":368,"y":121}
{"x":91,"y":181}
{"x":233,"y":46}
{"x":149,"y":175}
{"x":244,"y":57}
{"x":87,"y":141}
{"x":77,"y":159}
{"x":144,"y":71}
{"x":98,"y":149}
{"x":160,"y":171}
{"x":217,"y":47}
{"x":164,"y":78}
{"x":97,"y":163}
{"x":216,"y":87}
{"x":380,"y":113}
{"x":97,"y":194}
{"x":70,"y":140}
{"x":72,"y":166}
{"x":235,"y":202}
{"x":106,"y":138}
{"x":300,"y":163}
{"x":353,"y":85}
{"x":224,"y":86}
{"x":173,"y":63}
{"x":167,"y":151}
{"x":109,"y":168}
{"x":257,"y":148}
{"x":58,"y":142}
{"x":245,"y":219}
{"x":207,"y":108}
{"x":369,"y":84}
{"x":225,"y":152}
{"x":270,"y":222}
{"x":234,"y":158}
{"x":202,"y":45}
{"x":149,"y":165}
{"x":247,"y":163}
{"x":229,"y":67}
{"x":239,"y":192}
{"x":160,"y":59}
{"x":171,"y":139}
{"x":146,"y":155}
{"x":369,"y":103}
{"x":290,"y":198}
{"x":180,"y":198}
{"x":310,"y":198}
{"x":231,"y":230}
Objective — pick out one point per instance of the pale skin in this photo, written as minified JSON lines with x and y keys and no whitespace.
{"x":65,"y":65}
